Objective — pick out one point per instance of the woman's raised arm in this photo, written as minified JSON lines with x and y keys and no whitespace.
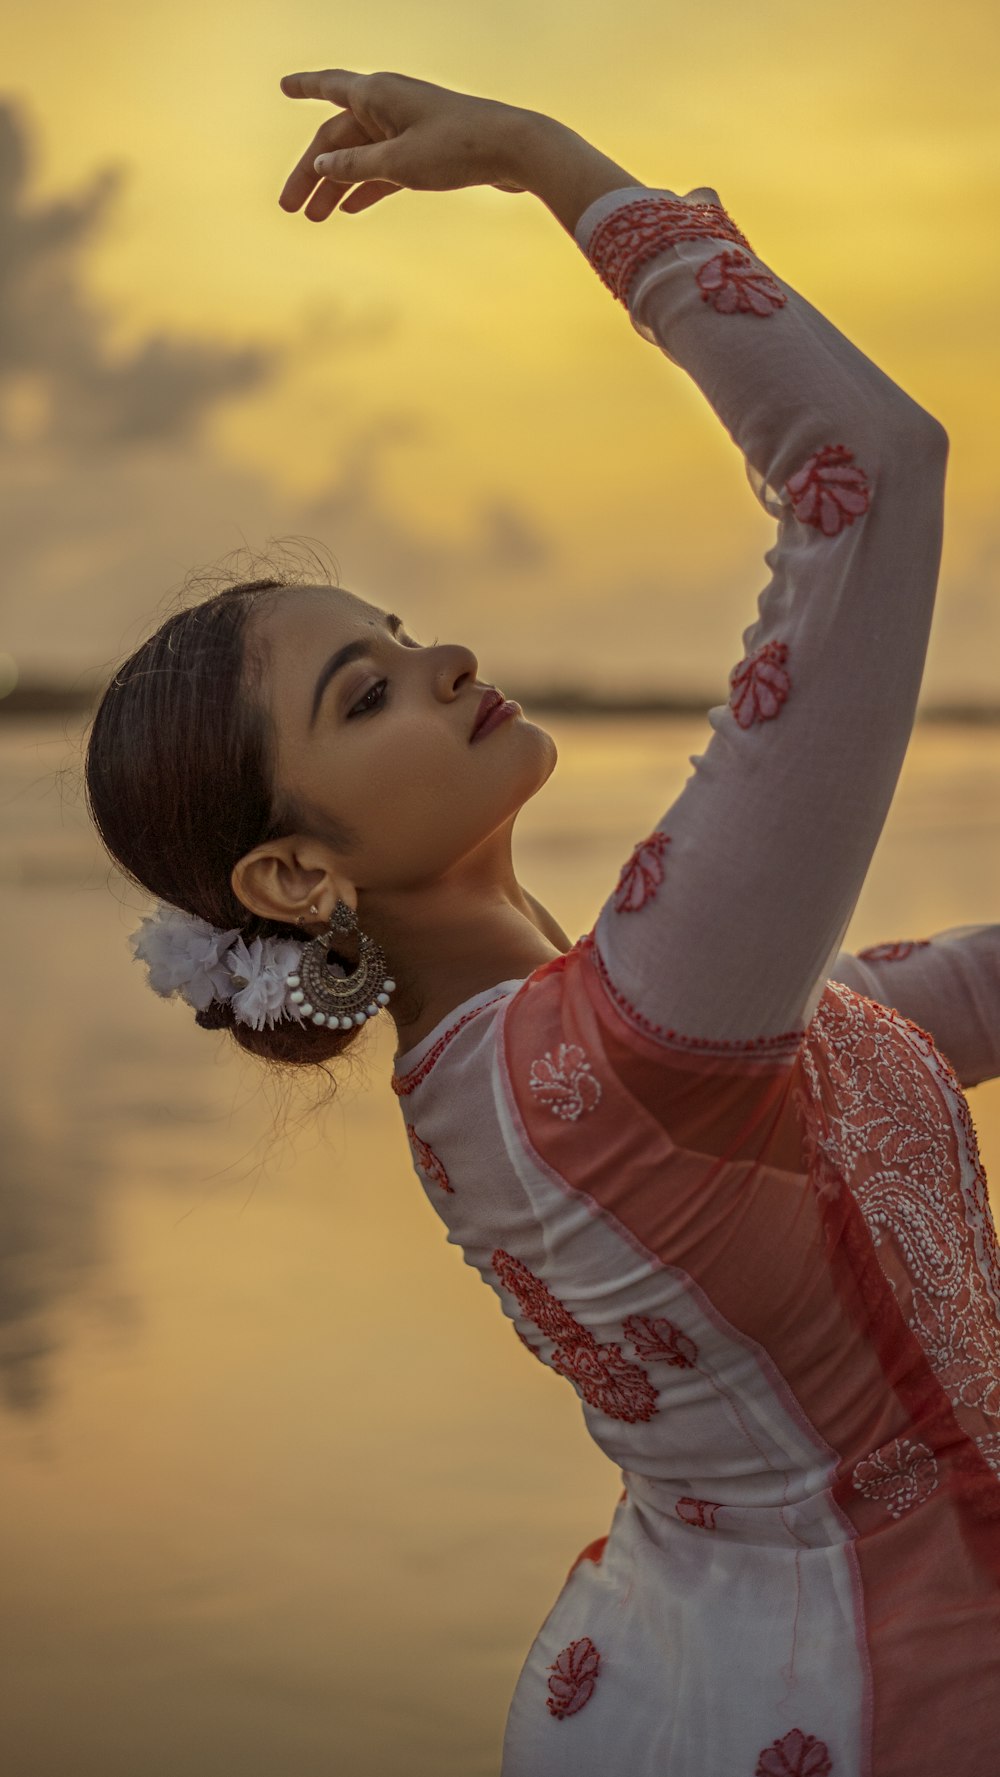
{"x":729,"y":914}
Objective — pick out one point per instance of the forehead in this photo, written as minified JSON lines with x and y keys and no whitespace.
{"x":292,"y":615}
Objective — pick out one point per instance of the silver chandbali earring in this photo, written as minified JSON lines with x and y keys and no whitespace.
{"x":344,"y":1000}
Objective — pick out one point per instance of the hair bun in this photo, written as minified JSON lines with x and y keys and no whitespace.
{"x":215,"y":1016}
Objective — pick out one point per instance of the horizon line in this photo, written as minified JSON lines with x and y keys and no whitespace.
{"x":54,"y":697}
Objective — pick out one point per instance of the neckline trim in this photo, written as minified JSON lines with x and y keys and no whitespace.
{"x":411,"y":1058}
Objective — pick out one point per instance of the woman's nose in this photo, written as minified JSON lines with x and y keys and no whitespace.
{"x":458,"y":665}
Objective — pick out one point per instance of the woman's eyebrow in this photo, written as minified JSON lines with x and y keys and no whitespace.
{"x":344,"y":656}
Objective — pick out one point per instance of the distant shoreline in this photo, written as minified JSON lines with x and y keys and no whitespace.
{"x":41,"y":699}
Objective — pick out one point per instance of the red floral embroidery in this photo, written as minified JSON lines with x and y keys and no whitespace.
{"x":640,"y":231}
{"x":827,"y":492}
{"x":731,"y":289}
{"x":528,"y":1345}
{"x":574,"y":1675}
{"x":606,"y":1379}
{"x":760,"y":684}
{"x":892,"y":953}
{"x":660,"y":1339}
{"x":537,"y":1301}
{"x":642,"y":874}
{"x":797,"y":1755}
{"x":566,"y":1085}
{"x":702,"y":1512}
{"x":428,"y":1161}
{"x":901,"y":1474}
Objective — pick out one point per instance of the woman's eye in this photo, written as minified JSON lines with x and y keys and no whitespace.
{"x":364,"y":705}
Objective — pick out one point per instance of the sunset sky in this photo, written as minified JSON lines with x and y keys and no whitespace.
{"x":440,"y":392}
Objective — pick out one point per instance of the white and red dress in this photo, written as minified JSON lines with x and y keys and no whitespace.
{"x":722,"y":1175}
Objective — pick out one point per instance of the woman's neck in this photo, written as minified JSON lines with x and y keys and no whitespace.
{"x":526,"y":942}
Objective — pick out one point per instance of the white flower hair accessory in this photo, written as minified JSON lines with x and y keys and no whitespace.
{"x":263,"y":981}
{"x":184,"y":955}
{"x":259,"y":984}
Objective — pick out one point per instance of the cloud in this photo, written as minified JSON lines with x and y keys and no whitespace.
{"x":112,"y":488}
{"x":52,"y":332}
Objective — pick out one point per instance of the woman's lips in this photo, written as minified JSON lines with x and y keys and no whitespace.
{"x":498,"y":715}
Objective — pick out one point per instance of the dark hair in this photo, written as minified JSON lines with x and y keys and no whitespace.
{"x":180,"y":786}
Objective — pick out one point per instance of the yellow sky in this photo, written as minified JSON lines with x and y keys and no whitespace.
{"x":458,"y":408}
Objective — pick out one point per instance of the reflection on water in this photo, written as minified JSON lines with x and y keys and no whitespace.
{"x":282,"y":1491}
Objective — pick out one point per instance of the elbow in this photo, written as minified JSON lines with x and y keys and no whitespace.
{"x":923,"y":431}
{"x":914,"y":446}
{"x":937,"y":438}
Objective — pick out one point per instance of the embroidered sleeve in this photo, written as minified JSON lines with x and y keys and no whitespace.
{"x":948,"y":984}
{"x":728,"y":915}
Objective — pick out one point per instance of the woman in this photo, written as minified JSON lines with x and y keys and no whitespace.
{"x":722,"y":1176}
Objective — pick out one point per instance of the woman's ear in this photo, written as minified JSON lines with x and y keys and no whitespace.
{"x":282,"y":879}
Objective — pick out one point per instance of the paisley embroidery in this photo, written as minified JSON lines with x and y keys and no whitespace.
{"x":902,"y":1474}
{"x":953,"y":1334}
{"x":978,"y":1212}
{"x":892,"y":953}
{"x":702,"y":1512}
{"x":605,"y":1378}
{"x":891,"y":1140}
{"x":760,"y":685}
{"x":642,"y":874}
{"x":637,"y":232}
{"x":732,"y":289}
{"x":797,"y":1755}
{"x":660,"y":1339}
{"x":827,"y":492}
{"x":566,"y":1085}
{"x":574,"y":1675}
{"x":428,"y":1161}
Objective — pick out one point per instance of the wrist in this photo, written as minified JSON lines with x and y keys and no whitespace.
{"x":561,"y":168}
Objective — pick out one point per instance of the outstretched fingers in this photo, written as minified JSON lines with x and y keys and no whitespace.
{"x":342,"y":131}
{"x":320,"y":83}
{"x":364,"y":196}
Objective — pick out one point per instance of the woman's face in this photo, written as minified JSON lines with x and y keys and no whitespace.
{"x":384,"y":744}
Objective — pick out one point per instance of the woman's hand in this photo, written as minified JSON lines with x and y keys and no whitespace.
{"x":397,"y":133}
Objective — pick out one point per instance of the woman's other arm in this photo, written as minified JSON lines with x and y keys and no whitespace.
{"x":949,"y":985}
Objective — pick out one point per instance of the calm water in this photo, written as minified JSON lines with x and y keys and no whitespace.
{"x":282,"y":1491}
